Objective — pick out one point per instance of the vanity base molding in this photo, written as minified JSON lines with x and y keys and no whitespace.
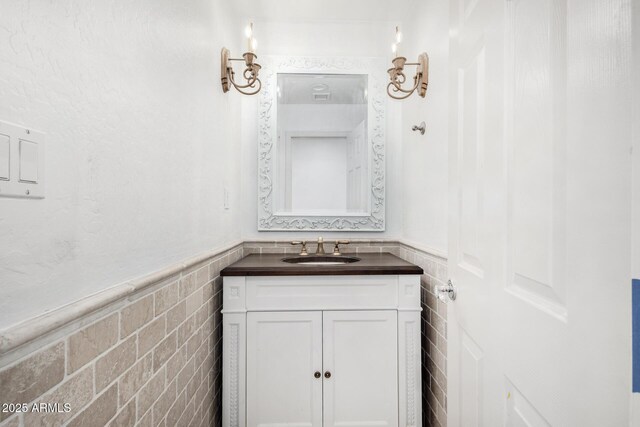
{"x":322,"y":351}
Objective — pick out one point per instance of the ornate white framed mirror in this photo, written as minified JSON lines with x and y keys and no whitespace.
{"x":321,"y":144}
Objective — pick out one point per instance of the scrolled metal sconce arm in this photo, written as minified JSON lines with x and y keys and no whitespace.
{"x":250,"y":73}
{"x":398,"y":78}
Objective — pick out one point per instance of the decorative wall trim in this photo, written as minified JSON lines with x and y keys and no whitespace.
{"x":356,"y":245}
{"x":422,"y":248}
{"x":234,"y":375}
{"x":410,"y":369}
{"x":29,"y":330}
{"x":268,"y":219}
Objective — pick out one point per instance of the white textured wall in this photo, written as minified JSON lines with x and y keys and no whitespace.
{"x":350,"y":39}
{"x":140,"y":139}
{"x":425,"y":157}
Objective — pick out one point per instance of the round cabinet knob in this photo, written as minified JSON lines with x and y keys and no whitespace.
{"x":317,"y":374}
{"x":327,"y":374}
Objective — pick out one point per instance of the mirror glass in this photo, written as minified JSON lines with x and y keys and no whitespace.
{"x":322,"y":151}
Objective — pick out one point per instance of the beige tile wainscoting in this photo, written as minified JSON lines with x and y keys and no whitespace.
{"x":434,"y":334}
{"x":144,"y":353}
{"x":148,"y":352}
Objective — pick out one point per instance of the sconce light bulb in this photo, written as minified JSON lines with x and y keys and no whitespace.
{"x":394,"y":48}
{"x":248,"y":31}
{"x":398,"y":37}
{"x":254,"y":44}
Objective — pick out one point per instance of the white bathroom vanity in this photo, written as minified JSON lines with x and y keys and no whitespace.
{"x":321,"y":345}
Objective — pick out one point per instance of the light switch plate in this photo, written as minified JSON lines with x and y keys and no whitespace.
{"x":22,"y":162}
{"x":28,"y":161}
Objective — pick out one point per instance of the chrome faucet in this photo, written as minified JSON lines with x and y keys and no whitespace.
{"x":320,"y":249}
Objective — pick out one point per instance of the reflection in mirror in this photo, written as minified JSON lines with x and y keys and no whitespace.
{"x":322,"y":165}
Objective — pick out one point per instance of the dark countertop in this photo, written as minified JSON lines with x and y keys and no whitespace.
{"x":272,"y":265}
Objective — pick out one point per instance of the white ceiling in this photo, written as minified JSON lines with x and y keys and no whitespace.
{"x":322,"y":10}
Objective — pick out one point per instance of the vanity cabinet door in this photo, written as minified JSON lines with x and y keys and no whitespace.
{"x":284,"y":363}
{"x":360,"y":368}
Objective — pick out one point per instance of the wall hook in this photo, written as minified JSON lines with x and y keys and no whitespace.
{"x":422,"y":127}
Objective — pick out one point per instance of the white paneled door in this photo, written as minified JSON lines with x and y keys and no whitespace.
{"x":539,"y":213}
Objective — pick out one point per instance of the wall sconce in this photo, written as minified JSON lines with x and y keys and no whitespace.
{"x":398,"y":78}
{"x":250,"y":74}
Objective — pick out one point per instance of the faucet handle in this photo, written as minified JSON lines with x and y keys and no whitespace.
{"x":336,"y":248}
{"x":303,"y":250}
